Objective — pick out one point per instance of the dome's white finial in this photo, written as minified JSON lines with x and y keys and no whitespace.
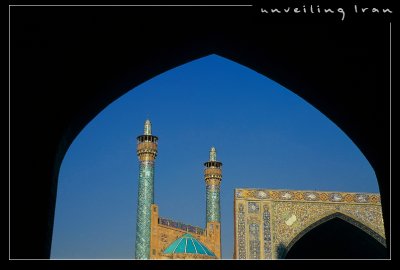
{"x":147,"y":127}
{"x":213,"y":154}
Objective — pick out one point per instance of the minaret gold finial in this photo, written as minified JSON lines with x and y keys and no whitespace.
{"x":213,"y":154}
{"x":147,"y":127}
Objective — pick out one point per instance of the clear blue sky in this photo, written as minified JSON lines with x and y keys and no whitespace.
{"x":265,"y":136}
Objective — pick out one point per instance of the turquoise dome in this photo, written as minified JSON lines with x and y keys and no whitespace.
{"x":188,"y":244}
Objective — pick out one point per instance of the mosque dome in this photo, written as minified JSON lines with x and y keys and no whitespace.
{"x":189,"y":245}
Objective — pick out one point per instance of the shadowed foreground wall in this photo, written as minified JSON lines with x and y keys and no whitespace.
{"x":67,"y":64}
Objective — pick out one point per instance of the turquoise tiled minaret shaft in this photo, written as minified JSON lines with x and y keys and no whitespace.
{"x":147,"y":152}
{"x":213,"y":177}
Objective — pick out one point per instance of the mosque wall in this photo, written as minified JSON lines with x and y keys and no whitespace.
{"x":268,"y":222}
{"x":165,"y":231}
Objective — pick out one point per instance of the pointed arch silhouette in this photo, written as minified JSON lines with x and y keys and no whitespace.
{"x":87,"y":63}
{"x":284,"y":250}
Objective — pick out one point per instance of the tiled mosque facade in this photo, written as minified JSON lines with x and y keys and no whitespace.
{"x":267,"y":222}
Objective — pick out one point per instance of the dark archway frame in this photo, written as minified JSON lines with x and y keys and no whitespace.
{"x":67,"y":65}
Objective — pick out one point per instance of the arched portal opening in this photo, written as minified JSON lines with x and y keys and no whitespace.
{"x":65,"y":72}
{"x":265,"y":135}
{"x":337,"y":237}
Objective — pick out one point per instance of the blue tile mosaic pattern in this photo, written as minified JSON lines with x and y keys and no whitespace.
{"x":242,"y":233}
{"x":188,"y":244}
{"x":180,"y":225}
{"x":145,"y":199}
{"x":254,"y":234}
{"x":267,"y":233}
{"x":213,"y":203}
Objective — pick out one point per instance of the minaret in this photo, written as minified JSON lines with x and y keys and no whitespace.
{"x":213,"y":177}
{"x":147,"y":152}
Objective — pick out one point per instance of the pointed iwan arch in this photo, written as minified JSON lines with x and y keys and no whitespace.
{"x":344,"y":217}
{"x":286,"y":216}
{"x":336,"y":236}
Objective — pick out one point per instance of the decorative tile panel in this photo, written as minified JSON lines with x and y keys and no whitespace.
{"x":145,"y":199}
{"x":181,"y":226}
{"x":267,"y":233}
{"x":241,"y":232}
{"x":253,"y":207}
{"x":310,"y":196}
{"x":254,"y":237}
{"x":289,"y":214}
{"x":213,"y":203}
